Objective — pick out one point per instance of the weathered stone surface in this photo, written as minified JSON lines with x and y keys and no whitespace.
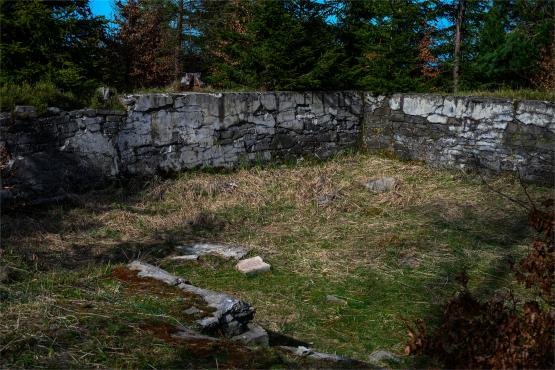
{"x":172,"y":132}
{"x":220,"y":250}
{"x":467,"y":133}
{"x":149,"y":271}
{"x":255,"y":336}
{"x":253,"y":265}
{"x":230,"y":316}
{"x":381,"y":185}
{"x":192,"y":311}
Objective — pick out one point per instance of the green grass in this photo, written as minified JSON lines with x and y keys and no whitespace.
{"x":394,"y":257}
{"x":45,"y":94}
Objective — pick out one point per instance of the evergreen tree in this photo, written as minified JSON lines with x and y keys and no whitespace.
{"x":59,"y":41}
{"x":381,"y":42}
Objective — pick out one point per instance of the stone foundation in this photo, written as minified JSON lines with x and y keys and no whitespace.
{"x":159,"y":133}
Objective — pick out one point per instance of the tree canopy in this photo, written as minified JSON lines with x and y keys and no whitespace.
{"x":378,"y":45}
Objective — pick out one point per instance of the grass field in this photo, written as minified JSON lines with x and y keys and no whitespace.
{"x":394,"y":257}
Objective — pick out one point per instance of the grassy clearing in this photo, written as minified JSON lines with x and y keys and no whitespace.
{"x":391,"y":256}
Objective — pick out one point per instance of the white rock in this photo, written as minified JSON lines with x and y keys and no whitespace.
{"x":253,"y":265}
{"x":395,"y":102}
{"x":421,"y":105}
{"x":436,"y":118}
{"x":220,"y":250}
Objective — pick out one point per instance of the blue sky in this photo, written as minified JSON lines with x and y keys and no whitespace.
{"x":102,"y":7}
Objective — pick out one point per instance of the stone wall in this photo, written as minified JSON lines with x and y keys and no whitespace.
{"x":70,"y":151}
{"x":175,"y":132}
{"x":465,"y":132}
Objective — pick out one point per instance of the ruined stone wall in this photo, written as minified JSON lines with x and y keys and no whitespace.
{"x":465,"y":132}
{"x":175,"y":132}
{"x":70,"y":151}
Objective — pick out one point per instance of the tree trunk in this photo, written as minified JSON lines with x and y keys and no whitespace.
{"x":179,"y":40}
{"x":458,"y":37}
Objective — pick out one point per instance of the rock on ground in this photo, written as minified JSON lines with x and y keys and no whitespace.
{"x":381,"y":185}
{"x":334,"y":300}
{"x":255,"y":336}
{"x":230,"y":316}
{"x":380,"y":356}
{"x":253,"y":265}
{"x":335,"y":360}
{"x":225,"y":251}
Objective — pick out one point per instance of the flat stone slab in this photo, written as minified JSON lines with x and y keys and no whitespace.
{"x":253,"y":265}
{"x":230,"y":316}
{"x":381,"y":185}
{"x":220,"y":250}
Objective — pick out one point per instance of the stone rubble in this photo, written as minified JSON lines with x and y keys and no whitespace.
{"x":230,"y":316}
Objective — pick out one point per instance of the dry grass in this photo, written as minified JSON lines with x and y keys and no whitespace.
{"x":391,"y":256}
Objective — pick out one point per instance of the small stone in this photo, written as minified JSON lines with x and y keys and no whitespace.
{"x":334,"y":300}
{"x":192,"y":311}
{"x":381,"y":185}
{"x":326,"y":198}
{"x":253,"y":265}
{"x":255,"y":336}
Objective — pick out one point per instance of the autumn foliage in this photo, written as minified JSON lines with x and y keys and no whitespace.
{"x":501,"y":333}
